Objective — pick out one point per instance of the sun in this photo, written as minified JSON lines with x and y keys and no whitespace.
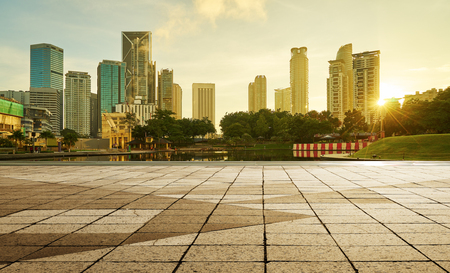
{"x":381,"y":102}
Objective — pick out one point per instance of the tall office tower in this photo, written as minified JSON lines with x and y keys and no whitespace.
{"x":283,"y":99}
{"x":94,"y":114}
{"x":177,"y":101}
{"x":204,"y":101}
{"x":257,"y":94}
{"x":299,"y":80}
{"x":49,"y":98}
{"x":140,"y":69}
{"x":340,"y":83}
{"x":46,"y":71}
{"x":366,"y":83}
{"x":110,"y":85}
{"x":165,"y":84}
{"x":78,"y":102}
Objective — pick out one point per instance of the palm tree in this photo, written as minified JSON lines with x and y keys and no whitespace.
{"x":17,"y":136}
{"x":70,"y":139}
{"x":46,"y":135}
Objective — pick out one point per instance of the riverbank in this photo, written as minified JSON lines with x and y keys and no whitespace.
{"x":434,"y":147}
{"x":70,"y":154}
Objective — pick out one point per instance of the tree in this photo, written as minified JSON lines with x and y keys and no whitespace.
{"x":6,"y":143}
{"x":262,"y":127}
{"x":18,"y":137}
{"x":354,"y":122}
{"x":46,"y":135}
{"x":437,"y":113}
{"x":66,"y":131}
{"x":70,"y":139}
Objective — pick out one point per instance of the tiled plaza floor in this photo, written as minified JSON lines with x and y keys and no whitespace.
{"x":225,"y":218}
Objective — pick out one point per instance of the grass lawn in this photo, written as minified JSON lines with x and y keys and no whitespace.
{"x":418,"y":147}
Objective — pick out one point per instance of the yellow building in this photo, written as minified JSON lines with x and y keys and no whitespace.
{"x":283,"y":99}
{"x":116,"y":130}
{"x":340,"y":83}
{"x":299,"y":78}
{"x":204,"y":101}
{"x":11,"y":113}
{"x":177,"y":101}
{"x":257,"y":94}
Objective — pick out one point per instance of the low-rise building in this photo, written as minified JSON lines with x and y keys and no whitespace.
{"x":428,"y":95}
{"x":116,"y":130}
{"x":11,"y":113}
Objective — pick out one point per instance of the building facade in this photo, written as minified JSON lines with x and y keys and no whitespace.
{"x":165,"y":85}
{"x":94,"y":114}
{"x":366,"y":83}
{"x":47,"y":71}
{"x":177,"y":101}
{"x":204,"y":101}
{"x":36,"y":119}
{"x":115,"y":128}
{"x":49,"y":98}
{"x":299,"y":79}
{"x":22,"y":97}
{"x":110,"y":85}
{"x":78,"y":102}
{"x":143,"y":112}
{"x":340,"y":83}
{"x":140,"y":69}
{"x":11,"y":113}
{"x":257,"y":94}
{"x":283,"y":99}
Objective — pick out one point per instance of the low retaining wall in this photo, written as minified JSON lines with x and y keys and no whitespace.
{"x":338,"y":147}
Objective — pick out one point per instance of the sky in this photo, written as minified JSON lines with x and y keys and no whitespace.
{"x":230,"y":42}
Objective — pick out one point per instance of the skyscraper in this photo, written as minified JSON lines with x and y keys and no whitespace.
{"x":204,"y":101}
{"x":94,"y":114}
{"x":140,"y":69}
{"x":366,"y":83}
{"x":46,"y":71}
{"x":177,"y":101}
{"x":283,"y":99}
{"x":78,"y":102}
{"x":299,"y":80}
{"x":165,"y":85}
{"x":340,"y":83}
{"x":110,"y":85}
{"x":257,"y":94}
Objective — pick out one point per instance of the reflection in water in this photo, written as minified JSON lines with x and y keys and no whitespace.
{"x":315,"y":153}
{"x":232,"y":155}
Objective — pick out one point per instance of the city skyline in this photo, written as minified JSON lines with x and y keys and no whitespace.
{"x":228,"y":42}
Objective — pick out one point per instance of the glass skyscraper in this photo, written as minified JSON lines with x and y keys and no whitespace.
{"x":46,"y":71}
{"x":110,"y":85}
{"x":140,"y":74}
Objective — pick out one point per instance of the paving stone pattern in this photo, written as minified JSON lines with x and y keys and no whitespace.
{"x":217,"y":218}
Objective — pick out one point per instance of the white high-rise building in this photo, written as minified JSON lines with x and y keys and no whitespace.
{"x":77,"y":102}
{"x":366,"y":83}
{"x":340,"y":83}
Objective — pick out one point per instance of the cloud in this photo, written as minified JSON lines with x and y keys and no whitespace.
{"x":419,"y":69}
{"x":247,"y":10}
{"x":182,"y":18}
{"x":444,"y":68}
